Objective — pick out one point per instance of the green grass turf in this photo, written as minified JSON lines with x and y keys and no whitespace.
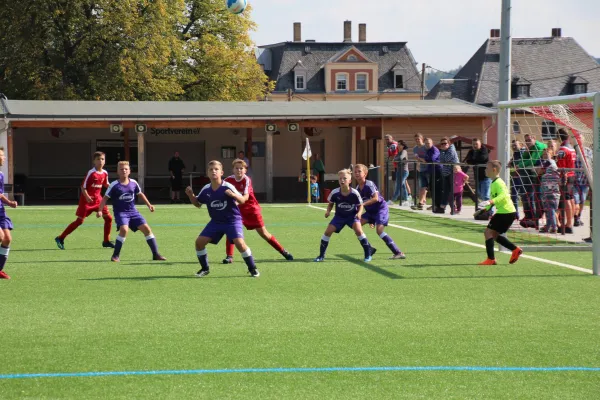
{"x":75,"y":311}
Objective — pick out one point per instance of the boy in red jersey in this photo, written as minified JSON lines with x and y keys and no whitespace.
{"x":251,"y":216}
{"x":90,"y":199}
{"x":566,"y":158}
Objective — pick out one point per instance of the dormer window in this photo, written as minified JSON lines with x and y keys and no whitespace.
{"x":300,"y":81}
{"x":399,"y":72}
{"x":578,"y":85}
{"x":300,"y":76}
{"x":521,"y":87}
{"x":523,"y":90}
{"x":361,"y":82}
{"x":341,"y":82}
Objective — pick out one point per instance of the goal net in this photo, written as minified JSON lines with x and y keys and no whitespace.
{"x":551,"y":179}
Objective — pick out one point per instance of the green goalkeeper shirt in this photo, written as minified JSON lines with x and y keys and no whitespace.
{"x":501,"y":197}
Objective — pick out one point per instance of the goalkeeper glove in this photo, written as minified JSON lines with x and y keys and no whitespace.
{"x":484,"y":204}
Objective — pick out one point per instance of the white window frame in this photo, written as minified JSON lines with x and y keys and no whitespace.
{"x":523,"y":91}
{"x":516,"y":127}
{"x":337,"y":81}
{"x":396,"y":74}
{"x":366,"y":88}
{"x":296,"y":76}
{"x":549,"y":130}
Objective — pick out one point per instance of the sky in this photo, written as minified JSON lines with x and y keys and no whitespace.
{"x":441,"y":33}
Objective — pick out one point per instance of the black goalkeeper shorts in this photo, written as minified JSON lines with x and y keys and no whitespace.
{"x":501,"y":222}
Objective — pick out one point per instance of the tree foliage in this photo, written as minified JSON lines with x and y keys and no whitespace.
{"x":127,"y":50}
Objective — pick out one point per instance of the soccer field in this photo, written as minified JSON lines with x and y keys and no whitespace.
{"x":436,"y":325}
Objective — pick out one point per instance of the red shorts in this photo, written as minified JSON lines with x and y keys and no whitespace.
{"x":86,"y":209}
{"x":252,"y":221}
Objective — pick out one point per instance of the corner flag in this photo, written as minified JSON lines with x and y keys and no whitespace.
{"x":306,"y":155}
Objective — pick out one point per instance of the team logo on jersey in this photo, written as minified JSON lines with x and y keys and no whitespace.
{"x":345,"y":206}
{"x":126,"y":197}
{"x":218,"y":205}
{"x":97,"y":186}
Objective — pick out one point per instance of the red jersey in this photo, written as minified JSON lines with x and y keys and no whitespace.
{"x":566,"y":158}
{"x":393,"y":150}
{"x":244,"y":186}
{"x":94,"y":182}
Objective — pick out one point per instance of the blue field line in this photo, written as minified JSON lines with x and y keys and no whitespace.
{"x":295,"y":370}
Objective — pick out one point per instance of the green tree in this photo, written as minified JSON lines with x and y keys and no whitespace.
{"x":220,"y":63}
{"x":127,"y":50}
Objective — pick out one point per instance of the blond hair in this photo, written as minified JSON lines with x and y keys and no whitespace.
{"x":497,"y":165}
{"x":215,"y":162}
{"x":239,"y":161}
{"x":123,"y":163}
{"x":362,"y":167}
{"x":345,"y":171}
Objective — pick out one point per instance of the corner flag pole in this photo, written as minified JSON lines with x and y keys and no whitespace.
{"x":306,"y":155}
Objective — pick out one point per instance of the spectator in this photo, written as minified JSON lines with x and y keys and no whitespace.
{"x":553,"y":144}
{"x":434,"y":172}
{"x":319,"y":171}
{"x":582,"y":186}
{"x":314,"y":190}
{"x":479,"y":155}
{"x":460,"y":178}
{"x":176,"y":168}
{"x":526,"y":170}
{"x":566,"y":158}
{"x":242,"y":156}
{"x":550,"y":189}
{"x":420,"y":151}
{"x":401,"y":172}
{"x":516,"y":186}
{"x":393,"y":150}
{"x":448,"y":157}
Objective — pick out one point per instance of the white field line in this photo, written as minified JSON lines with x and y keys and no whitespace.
{"x":480,"y":246}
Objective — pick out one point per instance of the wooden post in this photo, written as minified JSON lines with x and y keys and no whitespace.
{"x":141,"y":145}
{"x":126,"y":145}
{"x":248,"y":150}
{"x":269,"y":166}
{"x":9,"y":154}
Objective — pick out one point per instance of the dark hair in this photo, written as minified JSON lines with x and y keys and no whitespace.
{"x":98,"y":154}
{"x":563,"y":135}
{"x":403,"y":144}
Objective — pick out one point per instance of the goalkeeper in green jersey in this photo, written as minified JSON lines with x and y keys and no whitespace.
{"x":502,"y":219}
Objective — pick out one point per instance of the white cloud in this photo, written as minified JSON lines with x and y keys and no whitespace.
{"x":441,"y":33}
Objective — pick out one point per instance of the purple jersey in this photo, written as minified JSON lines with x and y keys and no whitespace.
{"x":345,"y":206}
{"x":367,"y":192}
{"x":221,"y":207}
{"x":123,"y":196}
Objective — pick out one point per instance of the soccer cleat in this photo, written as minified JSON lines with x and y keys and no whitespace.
{"x":399,"y":256}
{"x":158,"y":257}
{"x":488,"y":262}
{"x":115,"y":259}
{"x":108,"y":244}
{"x":228,"y":260}
{"x":373,"y":250}
{"x":3,"y":275}
{"x":568,"y":230}
{"x":202,"y":272}
{"x":60,"y":243}
{"x":287,"y":256}
{"x":514,"y":257}
{"x":254,"y":273}
{"x":368,"y":259}
{"x":319,"y":259}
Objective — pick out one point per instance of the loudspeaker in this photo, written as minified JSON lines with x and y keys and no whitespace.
{"x":141,"y":128}
{"x":293,"y":127}
{"x":270,"y":128}
{"x":116,"y":128}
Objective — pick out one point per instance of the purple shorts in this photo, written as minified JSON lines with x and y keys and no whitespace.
{"x":216,"y":230}
{"x":379,"y":217}
{"x":340,"y":222}
{"x":5,"y":222}
{"x":134,"y":221}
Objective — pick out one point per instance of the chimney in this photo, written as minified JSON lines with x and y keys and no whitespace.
{"x":362,"y":32}
{"x":297,"y":32}
{"x":347,"y":31}
{"x":494,"y":33}
{"x":556,"y":32}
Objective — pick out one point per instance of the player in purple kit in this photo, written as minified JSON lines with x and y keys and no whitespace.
{"x":5,"y":223}
{"x":348,"y":208}
{"x":123,"y":192}
{"x":376,"y":209}
{"x":221,"y":199}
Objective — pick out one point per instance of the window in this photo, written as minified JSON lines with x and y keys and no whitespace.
{"x":398,"y":81}
{"x":300,"y":85}
{"x":579,"y":88}
{"x":516,"y":127}
{"x":341,"y":82}
{"x":548,"y":130}
{"x":361,"y":82}
{"x":522,"y":90}
{"x":352,"y":57}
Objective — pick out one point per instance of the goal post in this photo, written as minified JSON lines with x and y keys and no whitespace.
{"x":533,"y":131}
